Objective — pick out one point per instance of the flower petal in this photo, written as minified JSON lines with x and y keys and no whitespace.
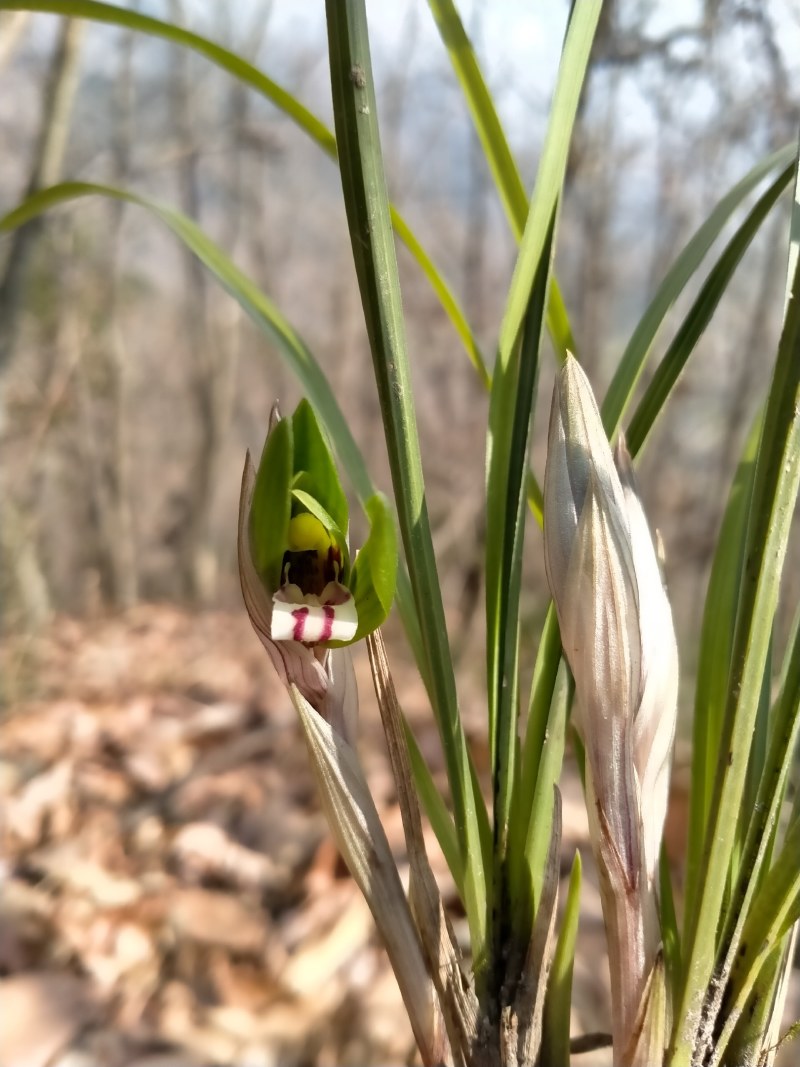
{"x":314,"y":620}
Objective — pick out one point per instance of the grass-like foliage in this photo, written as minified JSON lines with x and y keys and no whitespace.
{"x":708,"y":990}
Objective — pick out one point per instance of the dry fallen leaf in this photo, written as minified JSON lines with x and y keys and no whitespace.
{"x":126,"y":877}
{"x":217,"y":919}
{"x":41,"y":1014}
{"x":205,"y":849}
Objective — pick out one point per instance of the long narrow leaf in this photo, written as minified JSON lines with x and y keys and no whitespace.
{"x":755,"y":769}
{"x":713,"y":666}
{"x":775,"y":910}
{"x":762,"y":824}
{"x":530,"y":996}
{"x":540,"y":765}
{"x":497,"y":151}
{"x":512,"y":405}
{"x":634,"y":358}
{"x":445,"y":294}
{"x":436,"y":810}
{"x":234,"y":64}
{"x":456,"y":994}
{"x":306,"y":120}
{"x":699,"y":316}
{"x":509,"y":426}
{"x":543,"y":683}
{"x":529,"y":868}
{"x":775,"y":487}
{"x":670,"y":934}
{"x":558,"y":1001}
{"x":301,"y":361}
{"x":756,"y":1037}
{"x":488,"y":127}
{"x":366,"y":202}
{"x":245,"y":292}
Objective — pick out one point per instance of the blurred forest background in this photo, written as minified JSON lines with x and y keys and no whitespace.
{"x":131,"y":384}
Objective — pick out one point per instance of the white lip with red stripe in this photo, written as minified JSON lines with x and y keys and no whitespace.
{"x":313,"y":619}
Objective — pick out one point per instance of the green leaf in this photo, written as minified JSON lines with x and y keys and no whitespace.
{"x":445,"y":294}
{"x":487,"y":123}
{"x":670,"y":934}
{"x":543,"y":684}
{"x":496,"y":149}
{"x":755,"y":1030}
{"x":309,"y":123}
{"x":634,"y":358}
{"x":298,"y":358}
{"x":372,"y":240}
{"x":436,"y":810}
{"x":713,"y":666}
{"x":272,"y":503}
{"x":312,"y":455}
{"x":244,"y":290}
{"x":540,"y":767}
{"x":761,"y":817}
{"x":372,"y":581}
{"x":775,"y":910}
{"x":755,"y":764}
{"x":510,"y":416}
{"x":222,"y":57}
{"x":558,"y":1003}
{"x":788,"y":664}
{"x":504,"y":543}
{"x":692,"y":327}
{"x":774,"y":496}
{"x":550,"y":175}
{"x":541,"y":812}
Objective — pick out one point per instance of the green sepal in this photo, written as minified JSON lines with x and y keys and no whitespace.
{"x":372,"y":581}
{"x":272,"y":504}
{"x":313,"y":457}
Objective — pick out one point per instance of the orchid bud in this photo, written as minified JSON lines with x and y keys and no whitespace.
{"x":618,"y":636}
{"x":656,"y":713}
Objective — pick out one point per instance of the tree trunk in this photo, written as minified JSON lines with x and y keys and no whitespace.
{"x":59,"y":97}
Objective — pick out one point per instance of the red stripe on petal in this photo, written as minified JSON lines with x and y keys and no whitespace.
{"x":327,"y":626}
{"x":299,"y":616}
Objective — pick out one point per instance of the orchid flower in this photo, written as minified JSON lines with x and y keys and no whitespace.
{"x":304,"y":598}
{"x":618,"y":636}
{"x":307,"y":602}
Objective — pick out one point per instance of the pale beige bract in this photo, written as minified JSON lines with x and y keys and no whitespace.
{"x":618,"y":636}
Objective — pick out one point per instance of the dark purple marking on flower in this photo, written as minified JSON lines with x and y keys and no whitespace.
{"x":310,"y":571}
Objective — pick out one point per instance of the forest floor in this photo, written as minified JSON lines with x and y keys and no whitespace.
{"x":169,"y":895}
